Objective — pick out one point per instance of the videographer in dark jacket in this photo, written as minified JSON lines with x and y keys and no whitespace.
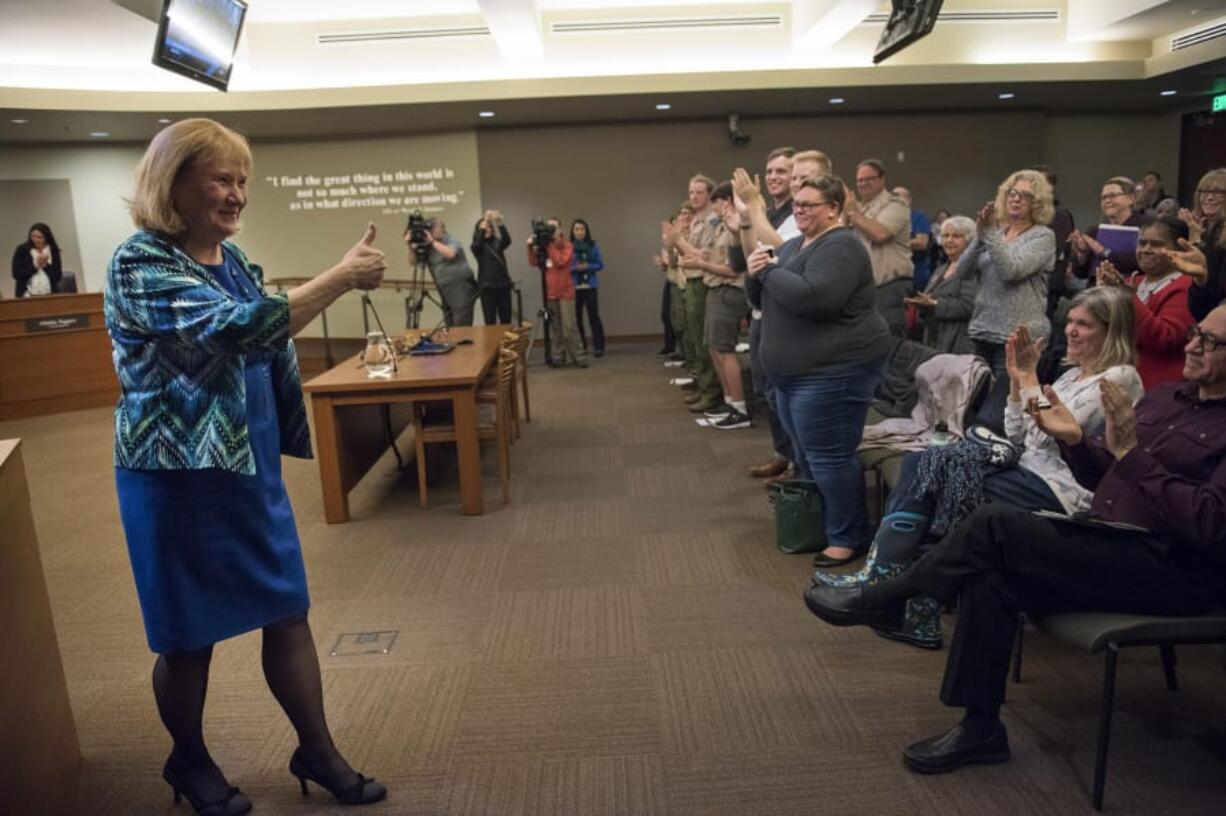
{"x":490,"y":242}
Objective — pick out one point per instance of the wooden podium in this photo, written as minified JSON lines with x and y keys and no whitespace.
{"x":55,"y":356}
{"x":38,"y":736}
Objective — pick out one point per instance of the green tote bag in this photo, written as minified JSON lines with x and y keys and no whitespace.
{"x":799,"y":523}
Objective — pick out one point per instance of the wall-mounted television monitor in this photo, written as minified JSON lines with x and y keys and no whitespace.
{"x":197,"y":38}
{"x":909,"y":20}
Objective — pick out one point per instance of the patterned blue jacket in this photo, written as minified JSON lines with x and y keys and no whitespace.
{"x":179,"y":341}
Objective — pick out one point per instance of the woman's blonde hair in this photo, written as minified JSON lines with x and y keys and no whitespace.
{"x":1215,"y":178}
{"x":1042,"y":207}
{"x":174,"y":150}
{"x":1112,"y":307}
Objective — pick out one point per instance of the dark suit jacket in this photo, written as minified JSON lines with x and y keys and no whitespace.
{"x":23,"y":268}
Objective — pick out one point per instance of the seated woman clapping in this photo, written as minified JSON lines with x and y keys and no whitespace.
{"x":940,"y":486}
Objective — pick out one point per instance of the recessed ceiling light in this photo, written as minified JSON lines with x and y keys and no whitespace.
{"x":19,"y":121}
{"x":486,"y":114}
{"x":99,"y":134}
{"x":1167,"y":93}
{"x":837,"y":100}
{"x":1005,"y":95}
{"x":164,"y":121}
{"x":663,"y":106}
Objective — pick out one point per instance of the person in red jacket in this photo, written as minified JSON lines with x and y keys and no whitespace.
{"x":1160,"y":300}
{"x":566,"y":347}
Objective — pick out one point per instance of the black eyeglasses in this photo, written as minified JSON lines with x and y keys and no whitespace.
{"x":1207,"y":341}
{"x":1213,"y":191}
{"x":805,"y":206}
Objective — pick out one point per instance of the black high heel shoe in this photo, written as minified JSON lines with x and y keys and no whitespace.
{"x":363,"y":792}
{"x":232,"y":804}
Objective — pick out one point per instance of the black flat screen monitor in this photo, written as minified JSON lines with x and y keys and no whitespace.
{"x":910,"y":20}
{"x":197,"y":38}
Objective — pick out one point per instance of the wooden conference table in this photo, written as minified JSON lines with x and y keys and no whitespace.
{"x":352,"y":428}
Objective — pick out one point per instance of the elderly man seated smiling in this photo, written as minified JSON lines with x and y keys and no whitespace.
{"x":1161,"y":469}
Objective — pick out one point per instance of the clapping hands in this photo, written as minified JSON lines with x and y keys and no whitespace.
{"x":1189,"y":260}
{"x":1022,"y":357}
{"x":747,"y":188}
{"x":1120,"y":435}
{"x":1196,"y":229}
{"x":1056,"y":420}
{"x":1108,"y":275}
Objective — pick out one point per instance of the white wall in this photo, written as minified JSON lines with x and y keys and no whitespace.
{"x":100,"y":177}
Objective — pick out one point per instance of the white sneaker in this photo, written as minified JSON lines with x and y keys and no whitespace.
{"x":674,"y":363}
{"x":679,"y":381}
{"x":741,"y":348}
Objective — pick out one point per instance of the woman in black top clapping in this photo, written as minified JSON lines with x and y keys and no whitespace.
{"x":490,"y":242}
{"x":36,"y":263}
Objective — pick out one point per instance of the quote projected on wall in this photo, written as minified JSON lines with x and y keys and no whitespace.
{"x":310,"y":201}
{"x":398,"y":191}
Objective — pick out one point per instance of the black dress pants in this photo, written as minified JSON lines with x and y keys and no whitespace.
{"x":588,"y":300}
{"x":670,"y":337}
{"x":1004,"y":561}
{"x":496,"y":306}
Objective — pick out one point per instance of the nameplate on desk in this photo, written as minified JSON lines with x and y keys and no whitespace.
{"x":57,"y":323}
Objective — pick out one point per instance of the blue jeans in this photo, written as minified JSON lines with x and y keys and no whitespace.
{"x":823,"y":415}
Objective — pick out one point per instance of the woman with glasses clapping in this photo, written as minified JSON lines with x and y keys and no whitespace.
{"x":1115,"y":201}
{"x":1013,"y":254}
{"x":1206,"y":236}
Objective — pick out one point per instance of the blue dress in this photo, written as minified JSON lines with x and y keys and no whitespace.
{"x":216,"y":553}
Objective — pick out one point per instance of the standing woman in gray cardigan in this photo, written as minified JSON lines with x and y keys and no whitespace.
{"x":823,"y":345}
{"x":1013,"y":256}
{"x":948,"y":301}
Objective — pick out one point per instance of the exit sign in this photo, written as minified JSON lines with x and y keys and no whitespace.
{"x":1219,"y":103}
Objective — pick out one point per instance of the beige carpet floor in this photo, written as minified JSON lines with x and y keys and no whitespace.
{"x":623,"y":638}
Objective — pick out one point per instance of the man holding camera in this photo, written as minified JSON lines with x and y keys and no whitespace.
{"x":452,"y":275}
{"x":549,"y":244}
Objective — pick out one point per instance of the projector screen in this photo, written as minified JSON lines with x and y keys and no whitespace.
{"x":197,"y":38}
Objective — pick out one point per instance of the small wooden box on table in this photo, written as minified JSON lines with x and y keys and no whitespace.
{"x":351,"y":428}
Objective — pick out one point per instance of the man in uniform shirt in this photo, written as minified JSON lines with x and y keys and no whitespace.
{"x":700,"y":241}
{"x":883,"y":221}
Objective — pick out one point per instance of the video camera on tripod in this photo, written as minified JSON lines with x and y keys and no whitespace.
{"x":542,"y":236}
{"x":419,"y":230}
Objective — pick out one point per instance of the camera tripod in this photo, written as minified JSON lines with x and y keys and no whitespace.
{"x":418,"y":293}
{"x":543,"y":317}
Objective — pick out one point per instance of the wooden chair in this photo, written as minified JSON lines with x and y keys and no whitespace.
{"x":429,"y":431}
{"x":487,"y":390}
{"x":524,"y":333}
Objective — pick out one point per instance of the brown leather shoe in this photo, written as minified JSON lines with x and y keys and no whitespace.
{"x":785,"y":475}
{"x":772,"y":468}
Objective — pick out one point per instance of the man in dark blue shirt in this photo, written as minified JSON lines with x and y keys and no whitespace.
{"x":921,"y":241}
